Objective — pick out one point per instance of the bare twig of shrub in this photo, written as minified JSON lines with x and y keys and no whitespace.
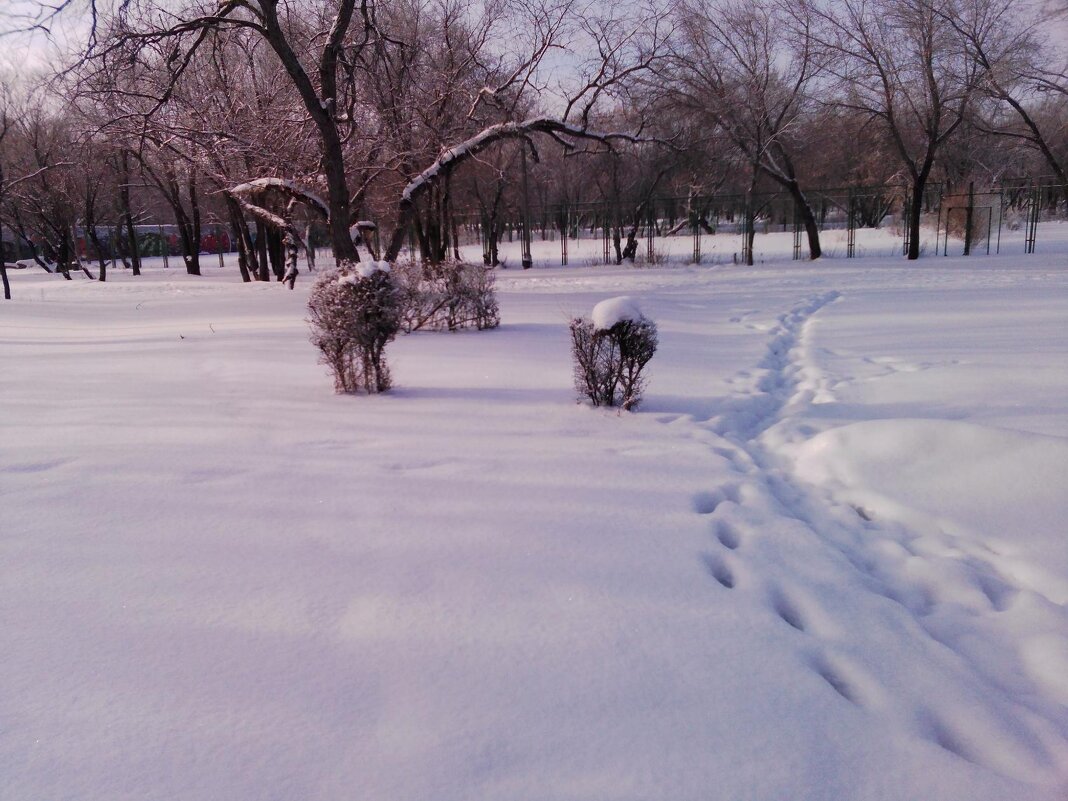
{"x":448,"y":296}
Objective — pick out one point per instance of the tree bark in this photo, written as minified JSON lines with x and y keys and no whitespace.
{"x":242,"y":239}
{"x":320,"y":109}
{"x":919,"y":184}
{"x":127,"y":214}
{"x":808,"y":220}
{"x":195,"y":230}
{"x":262,"y":269}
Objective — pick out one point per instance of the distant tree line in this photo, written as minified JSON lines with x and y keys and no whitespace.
{"x":277,"y":118}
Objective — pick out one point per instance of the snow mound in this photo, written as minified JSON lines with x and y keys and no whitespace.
{"x":363,"y":269}
{"x":615,"y":310}
{"x":1002,"y":488}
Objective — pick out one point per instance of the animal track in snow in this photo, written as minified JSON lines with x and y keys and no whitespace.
{"x":705,"y":503}
{"x":803,"y":611}
{"x":786,"y":609}
{"x":729,"y":536}
{"x":720,"y":570}
{"x":947,"y":738}
{"x":999,"y":593}
{"x":848,"y":679}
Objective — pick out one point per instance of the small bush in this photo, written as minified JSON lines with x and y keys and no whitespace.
{"x":354,"y":314}
{"x":608,"y":362}
{"x":447,"y":296}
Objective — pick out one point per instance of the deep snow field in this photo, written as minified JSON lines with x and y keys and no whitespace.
{"x":826,"y":558}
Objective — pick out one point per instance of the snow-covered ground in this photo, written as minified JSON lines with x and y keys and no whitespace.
{"x":826,"y":559}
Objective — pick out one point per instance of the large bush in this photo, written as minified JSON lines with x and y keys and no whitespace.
{"x":354,"y":313}
{"x":610,"y":351}
{"x":446,"y":296}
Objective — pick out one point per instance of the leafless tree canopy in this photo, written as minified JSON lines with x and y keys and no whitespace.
{"x":269,"y":120}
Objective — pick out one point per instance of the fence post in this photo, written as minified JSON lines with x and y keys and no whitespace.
{"x":969,"y":219}
{"x":527,"y":260}
{"x":797,"y":231}
{"x":907,"y":231}
{"x":165,"y":248}
{"x":1001,"y":216}
{"x":695,"y":222}
{"x":1031,"y":233}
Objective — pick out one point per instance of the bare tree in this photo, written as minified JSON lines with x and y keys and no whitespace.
{"x":1005,"y":42}
{"x":748,"y":71}
{"x":41,"y":199}
{"x":902,"y":64}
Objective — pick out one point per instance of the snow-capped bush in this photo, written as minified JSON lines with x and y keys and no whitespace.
{"x":447,"y":296}
{"x":354,"y":313}
{"x":610,"y":350}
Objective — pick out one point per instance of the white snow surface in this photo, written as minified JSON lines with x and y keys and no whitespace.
{"x":825,"y":559}
{"x":609,"y":312}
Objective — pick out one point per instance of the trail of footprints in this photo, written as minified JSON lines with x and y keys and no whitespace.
{"x":842,"y":674}
{"x":805,"y":616}
{"x":800,"y":612}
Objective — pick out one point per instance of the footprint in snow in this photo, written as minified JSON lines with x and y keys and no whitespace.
{"x":705,"y":503}
{"x":787,"y":610}
{"x":729,"y":536}
{"x":848,"y":679}
{"x":802,"y":611}
{"x":720,"y":570}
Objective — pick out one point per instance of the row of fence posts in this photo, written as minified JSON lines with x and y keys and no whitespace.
{"x":948,"y":205}
{"x":113,"y":254}
{"x":744,"y":214}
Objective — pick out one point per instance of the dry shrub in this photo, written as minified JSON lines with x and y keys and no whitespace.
{"x":608,"y":362}
{"x":446,"y":297}
{"x":353,"y":316}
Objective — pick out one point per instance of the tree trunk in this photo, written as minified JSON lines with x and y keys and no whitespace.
{"x":3,"y":277}
{"x":127,"y":214}
{"x":242,"y":239}
{"x":309,"y":249}
{"x":194,"y":205}
{"x":808,"y":220}
{"x":262,"y":269}
{"x":90,"y":232}
{"x":276,"y":252}
{"x":788,"y":180}
{"x":919,"y":183}
{"x":750,"y":235}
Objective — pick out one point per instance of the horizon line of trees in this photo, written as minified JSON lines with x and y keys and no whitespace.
{"x":279,"y":117}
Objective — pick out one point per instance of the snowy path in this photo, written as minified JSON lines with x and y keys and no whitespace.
{"x":943,"y":595}
{"x":825,"y":560}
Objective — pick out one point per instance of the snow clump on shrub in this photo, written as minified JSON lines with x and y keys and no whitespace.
{"x":610,"y":350}
{"x":354,"y":313}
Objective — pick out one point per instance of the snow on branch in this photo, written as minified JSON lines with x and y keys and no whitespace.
{"x":268,"y":217}
{"x":495,"y":133}
{"x":287,"y":188}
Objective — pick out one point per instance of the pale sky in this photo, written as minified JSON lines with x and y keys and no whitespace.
{"x":23,"y":54}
